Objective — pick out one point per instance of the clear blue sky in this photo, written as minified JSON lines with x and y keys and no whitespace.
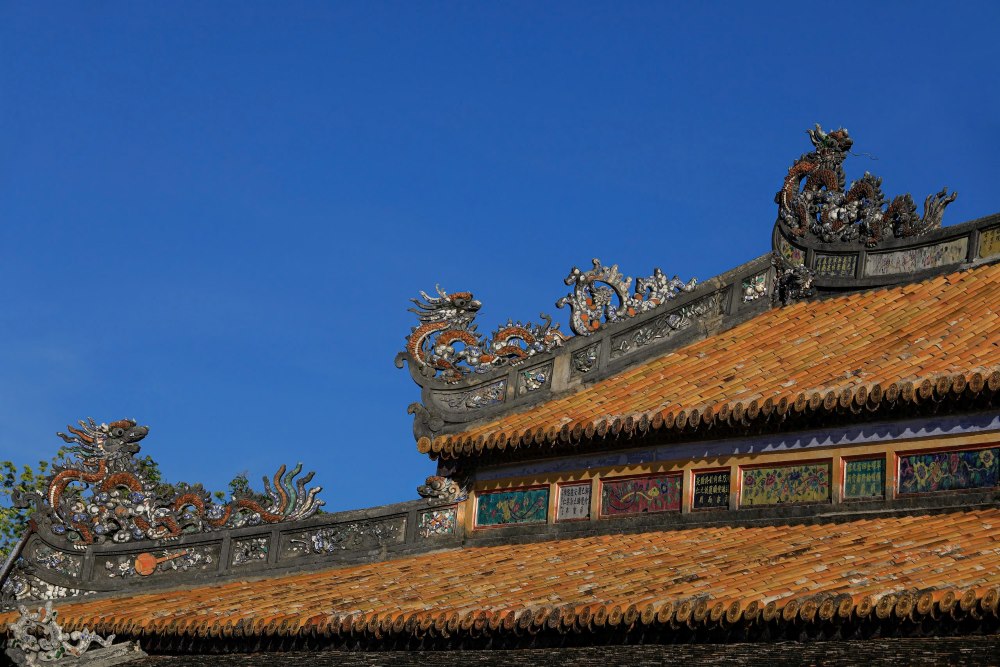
{"x":213,"y":214}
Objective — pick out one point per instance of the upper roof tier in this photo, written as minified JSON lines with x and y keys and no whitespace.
{"x":639,"y":352}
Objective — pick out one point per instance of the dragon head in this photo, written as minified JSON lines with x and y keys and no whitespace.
{"x":457,"y":308}
{"x":100,"y":441}
{"x":835,"y":141}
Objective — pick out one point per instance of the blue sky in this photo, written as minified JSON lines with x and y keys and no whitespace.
{"x":214,"y":214}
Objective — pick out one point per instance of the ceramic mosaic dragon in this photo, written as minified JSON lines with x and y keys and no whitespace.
{"x":125,"y":505}
{"x":822,"y":206}
{"x":446,"y":344}
{"x":602,"y":295}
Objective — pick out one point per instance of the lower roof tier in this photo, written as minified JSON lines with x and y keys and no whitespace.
{"x":878,"y":566}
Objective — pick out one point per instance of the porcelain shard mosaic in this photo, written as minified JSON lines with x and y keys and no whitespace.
{"x":501,"y":508}
{"x":434,"y":523}
{"x":948,"y":471}
{"x":365,"y":534}
{"x":657,"y":493}
{"x":803,"y":483}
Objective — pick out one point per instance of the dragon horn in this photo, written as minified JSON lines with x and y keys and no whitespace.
{"x":282,"y":496}
{"x":81,"y":434}
{"x":289,"y":489}
{"x":310,"y":505}
{"x":275,"y":501}
{"x":300,"y":486}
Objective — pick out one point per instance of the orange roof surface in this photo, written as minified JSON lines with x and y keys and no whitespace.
{"x":937,"y":336}
{"x":887,"y":564}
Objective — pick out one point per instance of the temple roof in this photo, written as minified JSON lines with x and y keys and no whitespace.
{"x":884,"y":565}
{"x":872,"y":350}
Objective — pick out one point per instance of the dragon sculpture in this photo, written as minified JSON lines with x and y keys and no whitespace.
{"x":446,"y":344}
{"x":592,"y":305}
{"x":437,"y":487}
{"x":125,"y":505}
{"x":822,"y":206}
{"x":36,"y":638}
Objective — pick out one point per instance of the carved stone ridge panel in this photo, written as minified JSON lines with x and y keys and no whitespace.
{"x":586,"y":360}
{"x":533,"y":379}
{"x":161,"y":562}
{"x":666,"y":325}
{"x":55,"y":560}
{"x":917,"y":259}
{"x":351,"y":536}
{"x":754,"y":287}
{"x":437,"y":522}
{"x":477,"y":398}
{"x":249,"y":550}
{"x":23,"y":582}
{"x":989,"y":242}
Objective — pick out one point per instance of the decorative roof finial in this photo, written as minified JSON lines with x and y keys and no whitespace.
{"x":36,"y":637}
{"x":446,"y":345}
{"x":124,"y":505}
{"x":593,"y":305}
{"x":823,"y":208}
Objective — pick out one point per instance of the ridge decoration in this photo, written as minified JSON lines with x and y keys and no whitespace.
{"x":793,"y":282}
{"x":437,"y":487}
{"x":592,"y":305}
{"x":125,"y":505}
{"x":823,"y":208}
{"x":446,"y":344}
{"x":36,"y":638}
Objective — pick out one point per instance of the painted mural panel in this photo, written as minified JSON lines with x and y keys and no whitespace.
{"x":948,"y":471}
{"x":989,"y":242}
{"x":865,"y":478}
{"x":916,"y":259}
{"x":711,"y":490}
{"x":804,"y":483}
{"x":656,"y":493}
{"x":789,"y":252}
{"x":508,"y":507}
